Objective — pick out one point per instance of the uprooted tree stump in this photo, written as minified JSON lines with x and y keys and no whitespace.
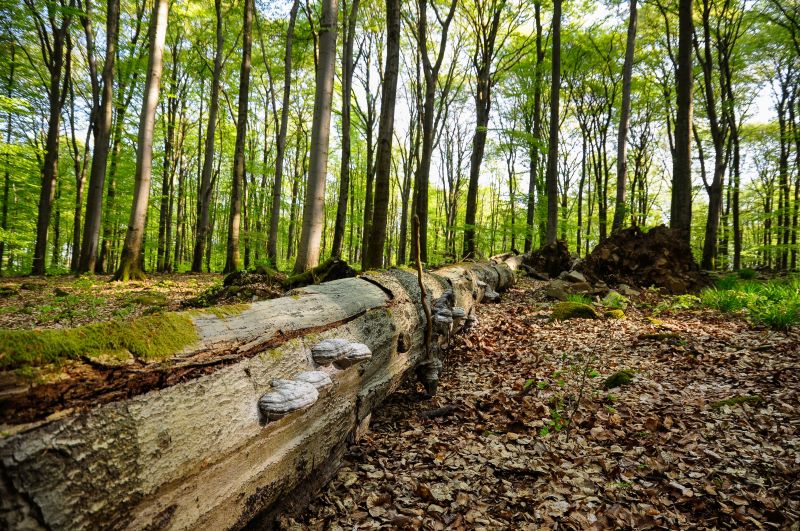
{"x":234,"y":421}
{"x":659,"y":257}
{"x":551,"y":259}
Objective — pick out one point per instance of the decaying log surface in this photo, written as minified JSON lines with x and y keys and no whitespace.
{"x":198,"y":454}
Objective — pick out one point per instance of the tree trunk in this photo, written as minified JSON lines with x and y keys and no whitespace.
{"x":681,"y":204}
{"x":536,"y":124}
{"x":383,"y":167}
{"x":624,"y":122}
{"x":280,"y":140}
{"x":347,"y":83}
{"x":104,"y":115}
{"x":205,"y":189}
{"x":6,"y":172}
{"x":234,"y":218}
{"x":57,"y":49}
{"x":552,"y":155}
{"x":313,"y":211}
{"x":130,"y":264}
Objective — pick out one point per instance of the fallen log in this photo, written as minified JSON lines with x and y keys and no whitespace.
{"x":196,"y":450}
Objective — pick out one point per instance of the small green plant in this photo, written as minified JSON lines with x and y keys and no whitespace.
{"x":677,"y":303}
{"x":615,"y":301}
{"x":579,"y":298}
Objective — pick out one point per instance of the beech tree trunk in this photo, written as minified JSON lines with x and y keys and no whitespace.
{"x":130,"y":261}
{"x":347,"y":84}
{"x":551,"y":182}
{"x":681,"y":204}
{"x":205,"y":189}
{"x":280,"y":140}
{"x":308,"y":251}
{"x":104,"y":115}
{"x":234,"y":218}
{"x":56,"y":53}
{"x":624,"y":122}
{"x":380,"y":212}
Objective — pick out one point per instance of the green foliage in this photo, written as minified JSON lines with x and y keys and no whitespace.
{"x":774,"y":303}
{"x":149,"y":338}
{"x":676,"y":303}
{"x":615,"y":301}
{"x":579,"y":298}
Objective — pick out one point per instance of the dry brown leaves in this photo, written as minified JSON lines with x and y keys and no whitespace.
{"x":652,"y":454}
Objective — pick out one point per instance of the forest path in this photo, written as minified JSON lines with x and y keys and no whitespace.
{"x":657,"y":452}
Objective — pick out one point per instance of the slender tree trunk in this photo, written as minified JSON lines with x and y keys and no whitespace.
{"x":313,"y":211}
{"x":130,"y":264}
{"x":482,"y":107}
{"x":79,"y":165}
{"x":552,"y":156}
{"x":347,"y":83}
{"x":681,"y":204}
{"x":624,"y":122}
{"x":234,"y":219}
{"x":57,"y":51}
{"x":168,"y":166}
{"x":280,"y":140}
{"x":377,"y":237}
{"x":205,"y":189}
{"x":102,"y":128}
{"x":6,"y":172}
{"x":533,"y":148}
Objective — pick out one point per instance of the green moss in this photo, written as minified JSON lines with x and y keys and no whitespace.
{"x":226,"y":310}
{"x":618,"y":379}
{"x":148,"y":338}
{"x":572,"y":310}
{"x":736,"y":400}
{"x":615,"y":314}
{"x":150,"y":299}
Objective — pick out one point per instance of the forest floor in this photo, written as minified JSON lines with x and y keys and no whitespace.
{"x":523,"y":433}
{"x":66,"y":301}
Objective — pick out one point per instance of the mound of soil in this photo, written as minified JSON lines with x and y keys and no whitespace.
{"x":552,"y":259}
{"x":658,"y":257}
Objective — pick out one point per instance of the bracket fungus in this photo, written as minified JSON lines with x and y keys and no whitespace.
{"x":355,"y":353}
{"x":329,"y":350}
{"x":318,"y":379}
{"x":339,"y":351}
{"x":287,"y":396}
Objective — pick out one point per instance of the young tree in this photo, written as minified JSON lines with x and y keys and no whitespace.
{"x":234,"y":217}
{"x":348,"y":38}
{"x":313,"y":212}
{"x":494,"y":23}
{"x":55,"y":45}
{"x":130,"y":266}
{"x":377,"y":237}
{"x":624,"y":121}
{"x":206,"y":184}
{"x":280,"y":139}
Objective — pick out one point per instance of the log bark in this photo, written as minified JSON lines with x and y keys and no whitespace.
{"x":198,"y":454}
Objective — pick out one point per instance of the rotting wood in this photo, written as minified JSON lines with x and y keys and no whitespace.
{"x":198,"y":454}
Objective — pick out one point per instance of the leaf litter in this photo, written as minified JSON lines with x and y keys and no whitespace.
{"x":526,"y":436}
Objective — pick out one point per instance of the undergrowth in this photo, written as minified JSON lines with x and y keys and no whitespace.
{"x":774,"y":303}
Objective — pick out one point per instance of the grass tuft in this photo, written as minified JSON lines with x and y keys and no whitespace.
{"x":774,"y":303}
